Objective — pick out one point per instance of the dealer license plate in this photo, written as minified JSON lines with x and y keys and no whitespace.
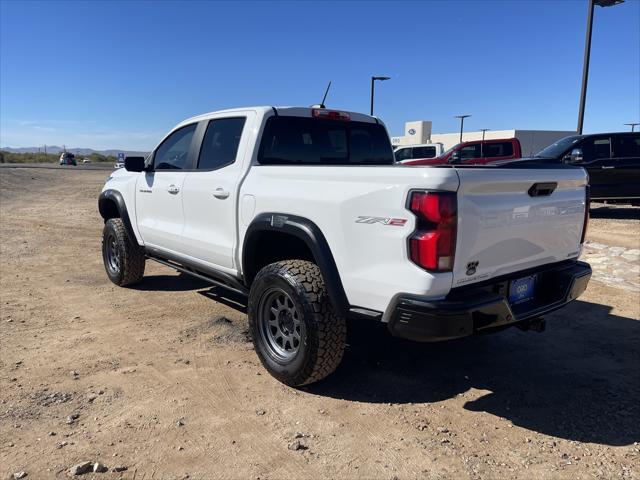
{"x":522,"y":289}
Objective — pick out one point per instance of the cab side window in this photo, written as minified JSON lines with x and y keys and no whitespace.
{"x":173,"y":153}
{"x":469,"y":152}
{"x":626,"y":146}
{"x":220,"y":144}
{"x":499,"y":149}
{"x":424,"y":152}
{"x":403,"y":154}
{"x":596,"y":148}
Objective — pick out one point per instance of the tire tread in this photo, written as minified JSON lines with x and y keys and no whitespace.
{"x":132,"y":255}
{"x":329,"y":328}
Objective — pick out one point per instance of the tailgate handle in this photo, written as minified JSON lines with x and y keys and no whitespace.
{"x":542,"y":189}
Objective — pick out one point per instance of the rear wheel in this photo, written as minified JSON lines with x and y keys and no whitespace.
{"x":297,"y":335}
{"x":123,"y":258}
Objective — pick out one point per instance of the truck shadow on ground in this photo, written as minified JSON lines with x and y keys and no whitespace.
{"x":183,"y":282}
{"x":616,"y":213}
{"x":169,"y":283}
{"x":579,"y":380}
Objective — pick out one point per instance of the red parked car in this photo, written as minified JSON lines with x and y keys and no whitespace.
{"x":478,"y":152}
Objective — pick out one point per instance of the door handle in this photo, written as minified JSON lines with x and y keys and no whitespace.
{"x":173,"y":189}
{"x":220,"y":193}
{"x":607,"y":167}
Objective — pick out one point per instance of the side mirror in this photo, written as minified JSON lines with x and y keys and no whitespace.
{"x":455,"y":157}
{"x":576,"y":156}
{"x":134,"y":164}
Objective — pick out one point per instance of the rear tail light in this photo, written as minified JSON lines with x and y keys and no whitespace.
{"x":587,"y":206}
{"x":433,"y":244}
{"x":330,"y":114}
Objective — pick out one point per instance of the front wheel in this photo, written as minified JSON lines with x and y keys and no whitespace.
{"x":123,"y":258}
{"x":297,"y":335}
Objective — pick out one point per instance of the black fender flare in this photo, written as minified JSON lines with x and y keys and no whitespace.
{"x":312,"y":236}
{"x":106,"y":213}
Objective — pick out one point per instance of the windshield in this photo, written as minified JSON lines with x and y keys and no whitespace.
{"x":312,"y":141}
{"x":556,"y":149}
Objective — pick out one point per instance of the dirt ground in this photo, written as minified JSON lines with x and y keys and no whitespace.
{"x":614,"y":225}
{"x":164,"y":380}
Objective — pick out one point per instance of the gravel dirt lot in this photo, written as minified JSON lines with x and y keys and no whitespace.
{"x":162,"y":378}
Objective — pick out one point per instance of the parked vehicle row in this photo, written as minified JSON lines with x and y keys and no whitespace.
{"x":476,"y":152}
{"x":302,"y":211}
{"x":612,"y":160}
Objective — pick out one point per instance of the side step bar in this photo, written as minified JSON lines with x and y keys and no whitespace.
{"x":218,"y":279}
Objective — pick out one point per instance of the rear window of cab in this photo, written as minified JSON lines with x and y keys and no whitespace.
{"x":313,"y":141}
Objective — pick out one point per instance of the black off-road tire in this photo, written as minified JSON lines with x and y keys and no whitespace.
{"x":322,"y":330}
{"x":129,"y":268}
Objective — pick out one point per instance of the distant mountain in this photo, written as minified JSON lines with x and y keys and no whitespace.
{"x":75,"y":151}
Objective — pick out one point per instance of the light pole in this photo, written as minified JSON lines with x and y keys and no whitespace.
{"x":632,"y":125}
{"x":373,"y":79}
{"x":587,"y":54}
{"x":461,"y":117}
{"x":482,"y":144}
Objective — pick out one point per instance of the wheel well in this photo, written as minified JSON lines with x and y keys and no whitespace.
{"x":108,"y":209}
{"x":268,"y":247}
{"x":275,"y":236}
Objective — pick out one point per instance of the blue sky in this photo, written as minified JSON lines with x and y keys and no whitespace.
{"x":120,"y":74}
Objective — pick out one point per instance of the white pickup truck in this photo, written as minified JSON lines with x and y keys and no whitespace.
{"x":302,"y":211}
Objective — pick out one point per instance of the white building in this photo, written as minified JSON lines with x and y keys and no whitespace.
{"x":414,"y":133}
{"x":532,"y":141}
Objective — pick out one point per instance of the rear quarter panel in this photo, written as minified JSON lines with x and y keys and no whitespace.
{"x":371,"y":257}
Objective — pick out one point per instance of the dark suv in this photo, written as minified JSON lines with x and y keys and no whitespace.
{"x":67,"y":158}
{"x":612,"y":161}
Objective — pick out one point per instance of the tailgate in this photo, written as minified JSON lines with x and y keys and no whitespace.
{"x":505,"y":225}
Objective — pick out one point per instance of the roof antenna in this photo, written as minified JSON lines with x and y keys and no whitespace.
{"x":321,"y":104}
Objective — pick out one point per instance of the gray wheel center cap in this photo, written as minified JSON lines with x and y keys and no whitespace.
{"x":286,"y":321}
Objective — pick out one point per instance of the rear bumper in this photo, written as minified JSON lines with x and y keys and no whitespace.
{"x":469,"y":311}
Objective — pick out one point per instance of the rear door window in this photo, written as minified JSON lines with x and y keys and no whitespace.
{"x":220,"y":144}
{"x":626,"y":146}
{"x":312,"y":141}
{"x":424,"y":152}
{"x":498,"y":149}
